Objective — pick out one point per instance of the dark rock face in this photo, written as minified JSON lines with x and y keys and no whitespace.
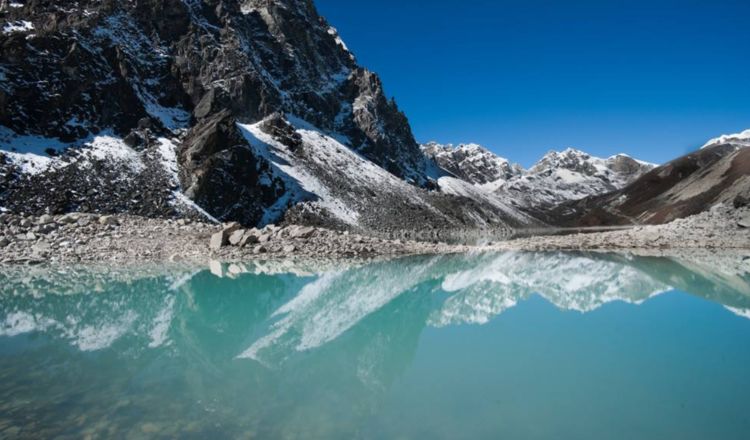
{"x":219,"y":170}
{"x":190,"y":70}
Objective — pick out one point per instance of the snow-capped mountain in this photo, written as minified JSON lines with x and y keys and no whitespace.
{"x":558,"y":177}
{"x":570,"y":175}
{"x":472,"y":163}
{"x":688,"y":185}
{"x":253,"y":111}
{"x":738,"y":140}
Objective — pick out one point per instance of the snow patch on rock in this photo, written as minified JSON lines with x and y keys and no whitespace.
{"x":18,"y":26}
{"x":741,"y":139}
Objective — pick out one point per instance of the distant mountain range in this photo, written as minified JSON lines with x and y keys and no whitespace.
{"x":717,"y":173}
{"x":256,"y":111}
{"x":558,"y":177}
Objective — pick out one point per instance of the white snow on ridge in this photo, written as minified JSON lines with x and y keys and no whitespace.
{"x":334,"y":33}
{"x":11,"y":141}
{"x":557,"y":177}
{"x":111,"y":148}
{"x":741,"y":139}
{"x":458,"y":187}
{"x":279,"y":154}
{"x":28,"y":152}
{"x":18,"y":26}
{"x":571,"y":175}
{"x":29,"y":163}
{"x":642,"y":162}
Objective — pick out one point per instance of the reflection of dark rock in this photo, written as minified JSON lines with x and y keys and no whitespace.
{"x":127,"y":341}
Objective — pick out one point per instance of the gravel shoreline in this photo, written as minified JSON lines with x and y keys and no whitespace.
{"x":125,"y":239}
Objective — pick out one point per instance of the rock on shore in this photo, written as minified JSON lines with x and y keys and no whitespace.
{"x":91,"y":238}
{"x":82,"y":237}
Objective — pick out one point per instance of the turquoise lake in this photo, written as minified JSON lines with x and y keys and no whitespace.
{"x":509,"y":345}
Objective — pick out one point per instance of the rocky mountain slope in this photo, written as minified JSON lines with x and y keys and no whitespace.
{"x":253,"y":111}
{"x":716,"y":174}
{"x":558,"y":177}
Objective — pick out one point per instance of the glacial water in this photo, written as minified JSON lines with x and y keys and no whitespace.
{"x":513,"y":345}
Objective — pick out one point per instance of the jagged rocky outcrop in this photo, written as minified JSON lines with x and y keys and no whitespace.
{"x":472,"y":163}
{"x":718,"y":173}
{"x":189,"y":73}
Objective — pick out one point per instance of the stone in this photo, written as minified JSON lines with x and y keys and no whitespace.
{"x":69,"y":218}
{"x":265,"y":238}
{"x":260,"y":249}
{"x":231,"y":227}
{"x":46,"y":229}
{"x":108,"y":220}
{"x":236,"y":269}
{"x":236,"y":237}
{"x":4,"y":241}
{"x":302,"y":232}
{"x":45,"y":220}
{"x":41,"y":248}
{"x":216,"y":268}
{"x":741,"y":201}
{"x":744,"y":221}
{"x":250,"y":237}
{"x":289,"y":249}
{"x":218,"y":240}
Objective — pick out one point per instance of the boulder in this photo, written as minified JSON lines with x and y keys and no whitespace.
{"x":108,"y":220}
{"x":231,"y":227}
{"x":744,"y":221}
{"x":4,"y":242}
{"x":216,"y":268}
{"x":69,"y":218}
{"x":302,"y":232}
{"x":741,"y":201}
{"x":289,"y":249}
{"x":45,"y":220}
{"x":250,"y":237}
{"x":218,"y":240}
{"x":236,"y":237}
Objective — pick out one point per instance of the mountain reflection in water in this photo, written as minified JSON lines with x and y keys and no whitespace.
{"x":284,"y":348}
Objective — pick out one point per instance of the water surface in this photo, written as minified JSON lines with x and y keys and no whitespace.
{"x":513,"y":345}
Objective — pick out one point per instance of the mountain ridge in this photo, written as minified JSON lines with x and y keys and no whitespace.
{"x":559,"y":176}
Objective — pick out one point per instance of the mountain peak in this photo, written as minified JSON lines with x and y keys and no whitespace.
{"x":471,"y":162}
{"x":741,"y":139}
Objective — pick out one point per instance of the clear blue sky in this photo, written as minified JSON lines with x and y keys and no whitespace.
{"x":653,"y":79}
